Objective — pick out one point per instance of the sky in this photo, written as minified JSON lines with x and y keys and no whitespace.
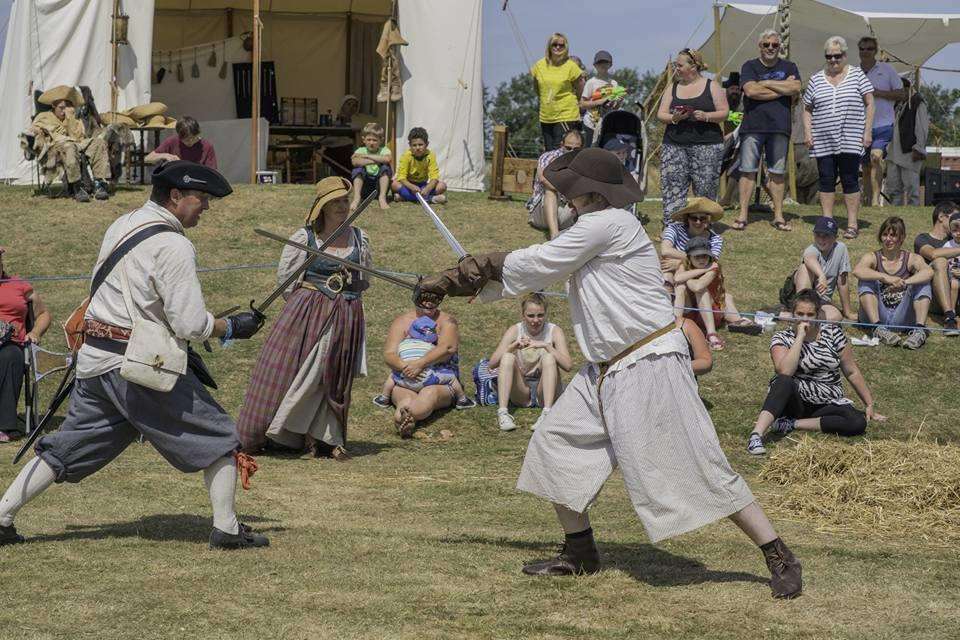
{"x":641,"y":33}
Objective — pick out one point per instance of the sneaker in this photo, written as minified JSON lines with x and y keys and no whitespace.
{"x":784,"y":425}
{"x":466,"y":402}
{"x":915,"y":339}
{"x":950,"y":328}
{"x":100,"y":191}
{"x":505,"y":421}
{"x":382,"y":401}
{"x":245,"y":538}
{"x":9,"y":535}
{"x":80,"y":194}
{"x":540,"y":419}
{"x":755,"y":445}
{"x":887,"y":337}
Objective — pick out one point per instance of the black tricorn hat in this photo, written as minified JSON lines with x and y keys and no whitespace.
{"x":593,"y":170}
{"x":184,"y":175}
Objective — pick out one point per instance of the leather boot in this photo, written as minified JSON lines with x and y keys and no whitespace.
{"x":577,"y":556}
{"x":786,"y":580}
{"x":466,"y":279}
{"x":245,"y":538}
{"x":9,"y":535}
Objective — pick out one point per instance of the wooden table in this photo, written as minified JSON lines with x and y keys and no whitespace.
{"x":296,"y":131}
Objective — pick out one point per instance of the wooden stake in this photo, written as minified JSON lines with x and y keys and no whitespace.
{"x":496,"y":168}
{"x":255,"y":111}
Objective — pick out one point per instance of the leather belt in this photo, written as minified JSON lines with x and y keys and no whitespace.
{"x":640,"y":343}
{"x":95,"y":328}
{"x":118,"y":347}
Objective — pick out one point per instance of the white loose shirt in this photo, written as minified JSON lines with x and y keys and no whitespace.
{"x":162,"y":273}
{"x":615,"y":285}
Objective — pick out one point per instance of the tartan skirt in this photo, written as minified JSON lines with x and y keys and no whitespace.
{"x":307,"y":316}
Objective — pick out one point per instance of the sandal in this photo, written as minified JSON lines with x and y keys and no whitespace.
{"x":851,"y":233}
{"x":738,"y":225}
{"x":781,"y":226}
{"x":406,"y":425}
{"x":716,"y":342}
{"x":743,"y":325}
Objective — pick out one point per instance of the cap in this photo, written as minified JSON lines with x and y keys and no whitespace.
{"x":184,"y":175}
{"x":826,"y":226}
{"x":616,"y":143}
{"x":698,"y":246}
{"x":602,"y":56}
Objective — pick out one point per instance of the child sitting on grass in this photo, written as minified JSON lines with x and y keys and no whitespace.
{"x":417,"y":171}
{"x":953,"y":265}
{"x":421,"y":338}
{"x":372,"y":166}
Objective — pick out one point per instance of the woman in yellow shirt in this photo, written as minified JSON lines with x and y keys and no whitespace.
{"x":558,"y":81}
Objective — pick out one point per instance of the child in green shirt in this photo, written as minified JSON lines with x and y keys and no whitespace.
{"x":372,"y":166}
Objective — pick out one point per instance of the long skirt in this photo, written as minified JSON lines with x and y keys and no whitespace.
{"x":302,"y":381}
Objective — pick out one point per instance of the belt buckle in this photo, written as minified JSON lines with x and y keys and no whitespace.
{"x":335,"y":283}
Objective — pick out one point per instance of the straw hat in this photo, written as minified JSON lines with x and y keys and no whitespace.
{"x":110,"y":117}
{"x":328,"y":189}
{"x":146,"y":111}
{"x":61,"y":92}
{"x":160,"y":122}
{"x":593,"y":170}
{"x":699,"y":205}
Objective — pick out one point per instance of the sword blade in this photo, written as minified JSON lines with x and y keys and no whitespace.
{"x":442,"y":228}
{"x":345,"y":263}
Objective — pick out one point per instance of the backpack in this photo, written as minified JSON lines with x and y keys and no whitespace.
{"x":486,"y":384}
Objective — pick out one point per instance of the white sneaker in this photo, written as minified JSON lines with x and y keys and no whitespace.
{"x":505,"y":420}
{"x":540,"y":419}
{"x":755,"y":445}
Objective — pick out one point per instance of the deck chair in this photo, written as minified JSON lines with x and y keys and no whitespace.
{"x":39,"y":364}
{"x":42,"y":185}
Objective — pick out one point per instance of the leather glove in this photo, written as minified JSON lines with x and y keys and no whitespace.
{"x":466,"y":279}
{"x":245,"y":324}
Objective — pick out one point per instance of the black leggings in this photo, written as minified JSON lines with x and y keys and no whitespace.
{"x":783,"y":399}
{"x":11,"y":382}
{"x":847,"y":165}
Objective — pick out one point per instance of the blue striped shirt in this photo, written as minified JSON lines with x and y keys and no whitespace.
{"x":677,"y":234}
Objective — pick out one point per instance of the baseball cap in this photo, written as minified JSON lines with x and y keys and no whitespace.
{"x":826,"y":226}
{"x":602,"y":56}
{"x":698,"y":246}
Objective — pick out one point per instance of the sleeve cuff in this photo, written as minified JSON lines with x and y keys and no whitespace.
{"x":208,"y":327}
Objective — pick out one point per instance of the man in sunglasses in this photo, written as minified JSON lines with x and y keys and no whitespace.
{"x":770,"y":85}
{"x":887,"y":91}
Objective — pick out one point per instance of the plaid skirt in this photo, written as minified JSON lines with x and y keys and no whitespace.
{"x":306,"y":318}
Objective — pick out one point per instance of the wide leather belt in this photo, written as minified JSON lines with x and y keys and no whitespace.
{"x":640,"y":343}
{"x":118,"y":347}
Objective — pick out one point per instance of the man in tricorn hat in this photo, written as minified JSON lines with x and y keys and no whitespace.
{"x":635,"y":404}
{"x":153,"y":286}
{"x":65,"y":139}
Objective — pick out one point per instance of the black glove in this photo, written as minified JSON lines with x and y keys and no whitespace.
{"x":466,"y":279}
{"x":245,"y":324}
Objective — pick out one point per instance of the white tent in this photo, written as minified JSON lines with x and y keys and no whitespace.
{"x":911,"y":37}
{"x":312,"y":43}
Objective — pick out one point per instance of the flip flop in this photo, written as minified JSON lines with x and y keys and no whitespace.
{"x":781,"y":226}
{"x":716,"y":342}
{"x":406,"y":425}
{"x":851,"y":233}
{"x":738,"y":225}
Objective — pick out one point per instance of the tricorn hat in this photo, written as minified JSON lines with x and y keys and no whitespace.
{"x":699,"y":205}
{"x":593,"y":170}
{"x":328,"y":189}
{"x":61,"y":92}
{"x":190,"y":176}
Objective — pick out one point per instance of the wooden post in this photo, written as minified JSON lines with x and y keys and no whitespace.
{"x":496,"y":164}
{"x":392,"y":113}
{"x":115,"y":52}
{"x":783,"y":11}
{"x":229,"y":22}
{"x":255,"y":98}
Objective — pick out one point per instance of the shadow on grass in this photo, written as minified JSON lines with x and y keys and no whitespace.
{"x":644,"y":562}
{"x":177,"y":527}
{"x":862,"y":223}
{"x":356,"y":449}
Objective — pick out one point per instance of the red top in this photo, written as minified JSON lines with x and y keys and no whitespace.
{"x":201,"y":152}
{"x":14,"y":295}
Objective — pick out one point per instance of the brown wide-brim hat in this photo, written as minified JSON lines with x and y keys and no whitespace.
{"x":699,"y":205}
{"x":110,"y":117}
{"x":146,"y":111}
{"x":160,"y":122}
{"x":328,"y":189}
{"x":60,"y":92}
{"x":593,"y":170}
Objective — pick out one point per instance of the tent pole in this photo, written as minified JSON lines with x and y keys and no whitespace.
{"x":255,"y":111}
{"x":392,"y":123}
{"x":783,"y":14}
{"x":718,"y":67}
{"x":115,"y":53}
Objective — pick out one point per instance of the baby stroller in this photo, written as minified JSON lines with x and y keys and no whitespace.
{"x":626,"y":128}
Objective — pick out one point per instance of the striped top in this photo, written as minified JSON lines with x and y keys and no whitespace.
{"x":839,"y":115}
{"x":818,"y":370}
{"x":678,"y":235}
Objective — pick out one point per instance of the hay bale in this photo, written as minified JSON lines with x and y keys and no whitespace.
{"x":885,"y":487}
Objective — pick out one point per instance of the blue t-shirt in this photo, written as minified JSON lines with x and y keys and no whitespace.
{"x":766,"y":116}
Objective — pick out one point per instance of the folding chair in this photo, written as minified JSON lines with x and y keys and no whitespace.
{"x":39,"y":364}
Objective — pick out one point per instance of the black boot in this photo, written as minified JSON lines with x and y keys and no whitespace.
{"x":577,"y":556}
{"x":100,"y":191}
{"x":245,"y":538}
{"x":79,"y":193}
{"x":9,"y":535}
{"x":786,"y":580}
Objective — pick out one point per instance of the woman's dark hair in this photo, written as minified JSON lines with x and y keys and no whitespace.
{"x":418,"y":133}
{"x":187,"y":126}
{"x":806,"y":295}
{"x":896,"y":224}
{"x":944,"y":208}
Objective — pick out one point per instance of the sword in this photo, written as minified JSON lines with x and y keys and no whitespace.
{"x":442,"y":228}
{"x":345,"y":263}
{"x":63,"y":391}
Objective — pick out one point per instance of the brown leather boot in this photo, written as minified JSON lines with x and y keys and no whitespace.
{"x":785,"y":571}
{"x":577,"y":556}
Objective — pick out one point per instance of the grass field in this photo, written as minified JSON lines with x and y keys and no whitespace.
{"x":424,"y":539}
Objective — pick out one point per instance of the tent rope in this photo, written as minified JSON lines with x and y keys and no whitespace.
{"x":518,"y":36}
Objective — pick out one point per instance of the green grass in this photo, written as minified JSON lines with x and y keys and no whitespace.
{"x":425,"y":538}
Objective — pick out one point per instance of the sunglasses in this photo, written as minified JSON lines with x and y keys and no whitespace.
{"x":867,"y":48}
{"x":699,"y":219}
{"x":568,"y":148}
{"x":558,"y":45}
{"x":833,"y":56}
{"x":770,"y":45}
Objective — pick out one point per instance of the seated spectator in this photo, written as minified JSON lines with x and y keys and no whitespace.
{"x":699,"y":284}
{"x":349,"y":107}
{"x":188,"y":144}
{"x":689,"y":222}
{"x":932,"y":247}
{"x":825,"y":268}
{"x":701,"y":360}
{"x":548,"y":210}
{"x":414,"y":406}
{"x":953,"y":265}
{"x":894,"y":288}
{"x":528,"y":361}
{"x":417,"y":171}
{"x":421,"y":339}
{"x":15,"y":296}
{"x":807,"y":392}
{"x":62,"y":140}
{"x":372,"y":166}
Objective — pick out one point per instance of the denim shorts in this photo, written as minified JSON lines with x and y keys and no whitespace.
{"x":773,"y":144}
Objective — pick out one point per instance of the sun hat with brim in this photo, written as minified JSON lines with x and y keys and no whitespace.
{"x":698,"y":246}
{"x":110,"y":117}
{"x":61,"y":92}
{"x":146,"y":111}
{"x":699,"y":205}
{"x":593,"y":170}
{"x":160,"y":122}
{"x":328,"y":189}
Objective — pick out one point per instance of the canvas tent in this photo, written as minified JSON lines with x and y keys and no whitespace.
{"x":320,"y":48}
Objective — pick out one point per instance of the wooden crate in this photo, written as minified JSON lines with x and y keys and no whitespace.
{"x":518,"y":174}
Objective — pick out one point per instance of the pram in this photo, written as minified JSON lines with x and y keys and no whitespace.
{"x":627,"y":127}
